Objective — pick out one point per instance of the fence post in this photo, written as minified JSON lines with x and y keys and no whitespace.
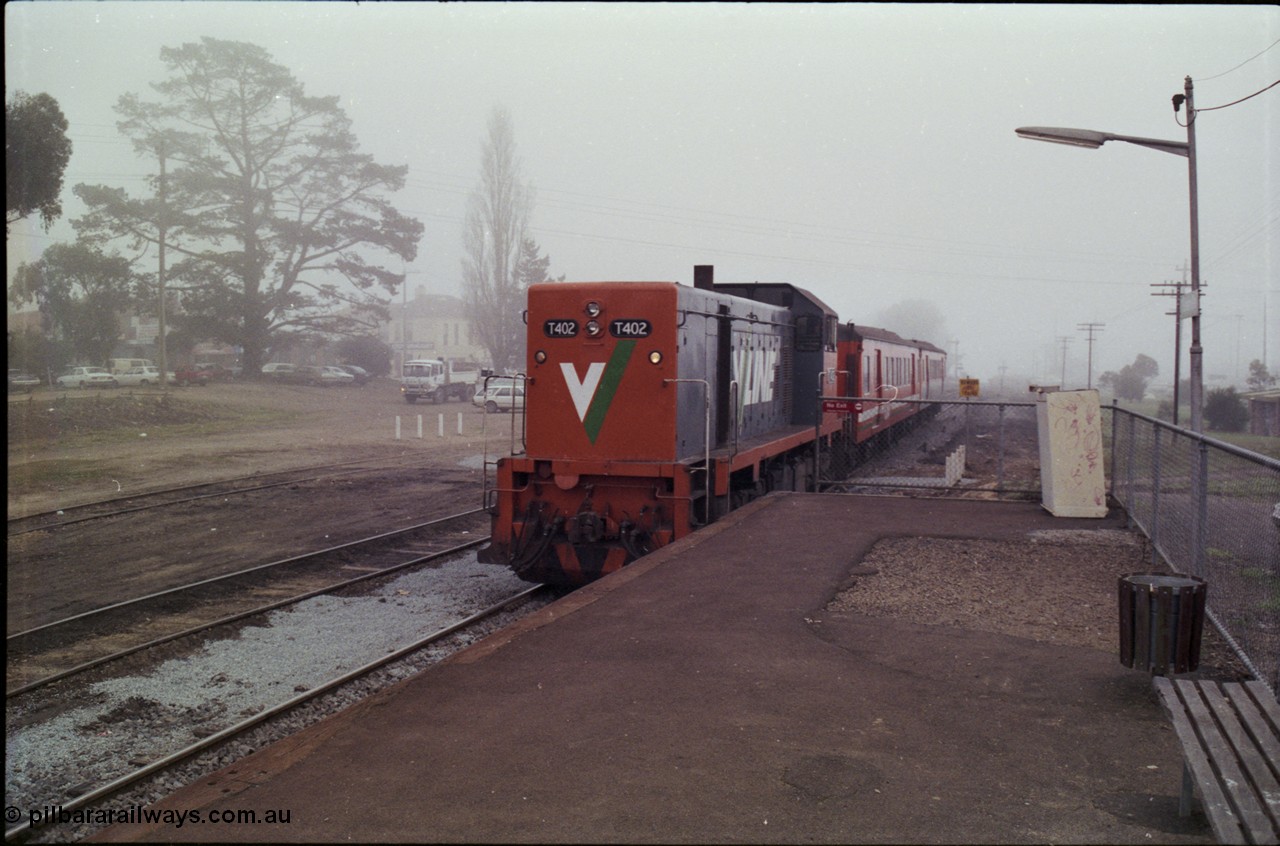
{"x":1115,"y":426}
{"x":1154,"y":534}
{"x":1200,"y":501}
{"x":1000,"y":451}
{"x":1130,"y":454}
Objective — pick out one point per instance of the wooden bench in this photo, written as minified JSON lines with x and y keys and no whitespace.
{"x":1230,"y":734}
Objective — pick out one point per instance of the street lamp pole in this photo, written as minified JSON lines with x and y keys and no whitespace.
{"x":1197,"y":352}
{"x":1093,"y":140}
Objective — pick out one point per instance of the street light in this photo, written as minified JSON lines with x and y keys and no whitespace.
{"x":1093,"y":139}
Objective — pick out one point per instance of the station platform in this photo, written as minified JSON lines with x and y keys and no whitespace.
{"x":692,"y":697}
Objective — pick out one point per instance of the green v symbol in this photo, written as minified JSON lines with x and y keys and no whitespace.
{"x":605,"y":391}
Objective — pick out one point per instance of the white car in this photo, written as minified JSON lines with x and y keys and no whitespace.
{"x":334,"y":375}
{"x":87,"y":377}
{"x":136,"y":376}
{"x":501,"y":398}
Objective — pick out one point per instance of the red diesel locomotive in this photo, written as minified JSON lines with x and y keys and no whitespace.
{"x":653,"y":408}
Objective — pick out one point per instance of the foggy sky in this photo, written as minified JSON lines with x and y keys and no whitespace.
{"x":864,"y":152}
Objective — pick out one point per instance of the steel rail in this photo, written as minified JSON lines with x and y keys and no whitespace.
{"x":244,"y":725}
{"x":214,"y":579}
{"x":162,"y":491}
{"x":262,"y":609}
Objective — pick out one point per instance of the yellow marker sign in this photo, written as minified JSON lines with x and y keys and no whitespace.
{"x":969,"y":388}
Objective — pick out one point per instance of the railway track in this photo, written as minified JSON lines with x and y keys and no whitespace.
{"x":62,"y":648}
{"x":267,"y":723}
{"x":181,"y":494}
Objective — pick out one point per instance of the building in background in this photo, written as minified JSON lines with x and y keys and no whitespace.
{"x":431,"y":326}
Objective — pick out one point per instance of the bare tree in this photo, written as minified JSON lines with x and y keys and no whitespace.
{"x":495,"y":227}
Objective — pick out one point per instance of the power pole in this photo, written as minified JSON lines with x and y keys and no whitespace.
{"x":1239,"y":331}
{"x":1091,"y":328}
{"x":1062,"y":381}
{"x":1176,"y":293}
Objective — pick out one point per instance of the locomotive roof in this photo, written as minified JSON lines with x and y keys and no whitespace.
{"x":749,"y":289}
{"x":871,"y":333}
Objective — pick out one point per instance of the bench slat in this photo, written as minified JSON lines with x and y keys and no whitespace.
{"x":1264,"y":711}
{"x":1223,"y":757}
{"x":1262,"y":781}
{"x":1227,"y":827}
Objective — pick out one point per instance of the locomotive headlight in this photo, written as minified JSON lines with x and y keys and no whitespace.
{"x":592,"y":309}
{"x":593,"y":328}
{"x":655,"y":357}
{"x":540,"y":357}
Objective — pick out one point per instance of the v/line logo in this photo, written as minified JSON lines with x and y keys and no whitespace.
{"x":755,"y":372}
{"x":593,"y":393}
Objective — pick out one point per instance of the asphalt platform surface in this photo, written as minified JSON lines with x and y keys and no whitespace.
{"x":688,"y":698}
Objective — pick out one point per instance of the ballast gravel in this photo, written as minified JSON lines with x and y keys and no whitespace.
{"x":120,"y":724}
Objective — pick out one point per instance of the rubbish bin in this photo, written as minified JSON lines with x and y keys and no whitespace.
{"x":1161,"y":621}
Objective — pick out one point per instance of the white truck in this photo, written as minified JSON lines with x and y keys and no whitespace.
{"x":440,"y":380}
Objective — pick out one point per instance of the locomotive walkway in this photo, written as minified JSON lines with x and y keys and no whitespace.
{"x":687,"y":699}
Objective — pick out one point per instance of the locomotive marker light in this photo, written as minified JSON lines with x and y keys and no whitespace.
{"x":1093,"y":139}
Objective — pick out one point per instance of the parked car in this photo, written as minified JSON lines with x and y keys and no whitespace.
{"x":324,"y":376}
{"x":361,"y":375}
{"x":215,"y":372}
{"x":489,"y":383}
{"x":190,"y":376}
{"x":120,"y":365}
{"x":138,"y":376}
{"x":21,"y":380}
{"x":279,"y":370}
{"x":87,"y":377}
{"x":500,"y":398}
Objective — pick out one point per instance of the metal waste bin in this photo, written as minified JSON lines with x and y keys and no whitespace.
{"x":1161,"y":621}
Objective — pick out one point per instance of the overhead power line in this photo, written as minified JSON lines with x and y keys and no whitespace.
{"x":1242,"y":64}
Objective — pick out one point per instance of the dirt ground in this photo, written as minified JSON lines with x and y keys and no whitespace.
{"x":67,"y":448}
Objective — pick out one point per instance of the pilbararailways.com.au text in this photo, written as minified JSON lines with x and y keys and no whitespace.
{"x":136,"y":814}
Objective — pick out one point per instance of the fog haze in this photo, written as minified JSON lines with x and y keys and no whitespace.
{"x":864,"y":152}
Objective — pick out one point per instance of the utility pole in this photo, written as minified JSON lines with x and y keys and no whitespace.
{"x":162,"y":226}
{"x":1176,"y":293}
{"x":1091,"y":328}
{"x":1239,"y":331}
{"x":1062,"y":381}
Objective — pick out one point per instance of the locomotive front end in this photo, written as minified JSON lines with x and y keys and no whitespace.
{"x":597,"y":485}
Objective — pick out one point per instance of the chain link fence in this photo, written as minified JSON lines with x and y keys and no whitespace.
{"x":1211,"y":510}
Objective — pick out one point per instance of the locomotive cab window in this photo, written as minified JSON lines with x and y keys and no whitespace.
{"x":809,"y":333}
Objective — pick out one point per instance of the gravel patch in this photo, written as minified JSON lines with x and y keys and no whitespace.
{"x":1057,"y":586}
{"x":119,"y":724}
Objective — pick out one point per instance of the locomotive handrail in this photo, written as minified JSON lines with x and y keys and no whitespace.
{"x":733,"y":410}
{"x":706,"y":438}
{"x":484,"y":456}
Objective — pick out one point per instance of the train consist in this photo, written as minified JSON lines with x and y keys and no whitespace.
{"x":653,"y":408}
